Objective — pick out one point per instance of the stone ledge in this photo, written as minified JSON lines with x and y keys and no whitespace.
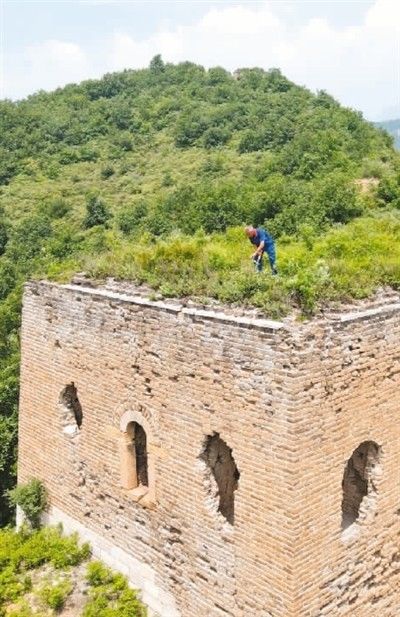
{"x":359,"y":315}
{"x":194,"y":313}
{"x":199,"y":314}
{"x":246,"y":322}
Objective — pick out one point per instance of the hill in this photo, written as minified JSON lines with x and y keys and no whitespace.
{"x":147,"y":175}
{"x":393,"y":128}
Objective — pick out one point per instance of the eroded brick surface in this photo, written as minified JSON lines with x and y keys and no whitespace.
{"x":292,"y":403}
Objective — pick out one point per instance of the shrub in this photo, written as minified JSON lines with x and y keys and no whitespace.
{"x":31,"y":498}
{"x":46,"y":545}
{"x":218,"y":75}
{"x":28,"y":237}
{"x":107,"y":171}
{"x":55,"y":595}
{"x":167,"y":179}
{"x":212,"y":165}
{"x":125,"y":143}
{"x":12,"y":585}
{"x":88,"y":155}
{"x":97,"y":212}
{"x":64,"y":241}
{"x":68,"y":156}
{"x":110,"y":595}
{"x":98,"y":574}
{"x":250,"y":142}
{"x":27,"y":550}
{"x":389,"y":191}
{"x":373,"y":169}
{"x":3,"y":237}
{"x":131,"y":216}
{"x":7,"y":277}
{"x":308,"y":284}
{"x":52,"y":171}
{"x":308,"y":235}
{"x":189,"y":127}
{"x":215,"y":136}
{"x":57,"y":208}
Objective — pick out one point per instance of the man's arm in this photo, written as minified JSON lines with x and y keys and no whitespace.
{"x":260,"y":249}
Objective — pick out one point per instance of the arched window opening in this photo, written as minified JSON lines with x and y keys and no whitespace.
{"x":135,"y":461}
{"x":223,"y":475}
{"x":140,"y":444}
{"x":72,"y":415}
{"x":137,"y":446}
{"x":359,"y":482}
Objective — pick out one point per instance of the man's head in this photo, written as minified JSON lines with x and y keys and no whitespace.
{"x":250,"y":231}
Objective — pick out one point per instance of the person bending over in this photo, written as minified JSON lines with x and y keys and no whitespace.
{"x":265,"y":244}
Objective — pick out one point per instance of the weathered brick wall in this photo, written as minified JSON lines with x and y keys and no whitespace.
{"x":293,"y":403}
{"x":348,"y":394}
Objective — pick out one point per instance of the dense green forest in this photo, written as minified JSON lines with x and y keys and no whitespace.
{"x":148,"y":175}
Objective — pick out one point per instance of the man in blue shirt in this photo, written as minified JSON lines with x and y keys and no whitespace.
{"x":265,"y":244}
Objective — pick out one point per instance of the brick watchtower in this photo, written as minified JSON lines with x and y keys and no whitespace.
{"x":231,"y":466}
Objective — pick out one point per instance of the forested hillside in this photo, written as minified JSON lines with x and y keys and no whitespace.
{"x":147,"y":175}
{"x":393,"y":128}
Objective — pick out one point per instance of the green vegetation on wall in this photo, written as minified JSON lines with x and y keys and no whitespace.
{"x":148,"y":175}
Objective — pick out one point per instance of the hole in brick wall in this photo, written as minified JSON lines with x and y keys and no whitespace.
{"x":223,"y":474}
{"x":137,"y":455}
{"x":359,"y":482}
{"x":71,"y":409}
{"x":141,"y":455}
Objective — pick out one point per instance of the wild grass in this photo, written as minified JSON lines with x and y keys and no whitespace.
{"x":349,"y":261}
{"x":110,"y":595}
{"x":24,"y":552}
{"x":36,"y":577}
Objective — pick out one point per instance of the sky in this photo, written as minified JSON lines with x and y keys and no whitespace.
{"x":350,"y":48}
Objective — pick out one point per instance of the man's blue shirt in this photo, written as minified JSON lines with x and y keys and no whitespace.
{"x":262,"y":236}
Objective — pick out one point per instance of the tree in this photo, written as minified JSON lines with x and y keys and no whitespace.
{"x":215,"y":136}
{"x":157,"y":64}
{"x":189,"y":127}
{"x":97,"y":212}
{"x":131,"y":216}
{"x":3,"y":237}
{"x":32,"y":499}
